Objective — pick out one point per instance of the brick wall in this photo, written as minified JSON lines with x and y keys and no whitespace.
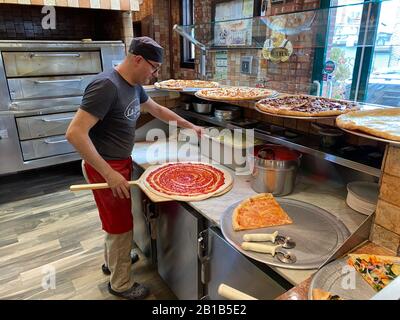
{"x":178,"y":72}
{"x":145,"y":9}
{"x":294,"y":76}
{"x":386,"y":228}
{"x":156,"y":23}
{"x":145,"y":17}
{"x":123,"y":5}
{"x":21,"y":22}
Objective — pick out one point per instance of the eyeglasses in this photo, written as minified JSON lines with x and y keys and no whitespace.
{"x":155,"y":69}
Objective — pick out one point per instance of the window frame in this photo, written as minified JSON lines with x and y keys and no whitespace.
{"x":186,"y":18}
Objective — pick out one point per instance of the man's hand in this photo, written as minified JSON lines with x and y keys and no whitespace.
{"x":199,"y":130}
{"x":118,"y":184}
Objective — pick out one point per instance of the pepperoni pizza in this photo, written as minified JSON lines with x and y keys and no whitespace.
{"x":305,"y":106}
{"x":235,"y":93}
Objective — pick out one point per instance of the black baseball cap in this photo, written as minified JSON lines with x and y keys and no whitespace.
{"x":147,"y":48}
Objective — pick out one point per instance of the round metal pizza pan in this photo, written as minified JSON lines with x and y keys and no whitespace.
{"x":368,"y":136}
{"x":274,"y":94}
{"x":343,"y":280}
{"x":294,"y":117}
{"x":317,"y":234}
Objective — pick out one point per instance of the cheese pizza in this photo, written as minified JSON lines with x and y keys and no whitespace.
{"x":235,"y":93}
{"x":383,"y":123}
{"x":259,"y":211}
{"x":305,"y":106}
{"x":378,"y":271}
{"x":178,"y":85}
{"x":187,"y":181}
{"x":319,"y":294}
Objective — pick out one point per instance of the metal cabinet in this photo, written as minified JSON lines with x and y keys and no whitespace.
{"x":48,"y":87}
{"x":224,"y":264}
{"x":46,"y":147}
{"x":144,"y":219}
{"x":43,"y":126}
{"x":42,"y":63}
{"x":178,"y":227}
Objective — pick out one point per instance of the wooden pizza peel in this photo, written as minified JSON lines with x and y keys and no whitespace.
{"x":140,"y":183}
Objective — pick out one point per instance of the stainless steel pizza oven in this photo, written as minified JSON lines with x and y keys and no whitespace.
{"x":41,"y":87}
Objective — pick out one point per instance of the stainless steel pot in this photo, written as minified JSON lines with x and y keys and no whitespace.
{"x":202,"y":107}
{"x":227,"y":112}
{"x":272,"y":173}
{"x":330,"y":136}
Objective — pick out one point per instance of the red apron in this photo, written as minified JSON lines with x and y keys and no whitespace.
{"x":115,"y":213}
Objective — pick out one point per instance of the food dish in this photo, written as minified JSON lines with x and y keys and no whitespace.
{"x":305,"y":106}
{"x":381,"y":123}
{"x":259,"y":211}
{"x":377,"y":271}
{"x":293,"y":117}
{"x":319,"y":294}
{"x":235,"y":94}
{"x":338,"y":278}
{"x":187,"y":181}
{"x":180,"y":85}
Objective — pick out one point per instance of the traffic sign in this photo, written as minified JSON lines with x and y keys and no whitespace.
{"x":329,"y":66}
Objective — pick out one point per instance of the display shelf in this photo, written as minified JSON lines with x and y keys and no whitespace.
{"x":303,"y":144}
{"x":301,"y":29}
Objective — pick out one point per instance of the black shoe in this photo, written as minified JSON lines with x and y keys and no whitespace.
{"x":134,"y":258}
{"x":136,"y":292}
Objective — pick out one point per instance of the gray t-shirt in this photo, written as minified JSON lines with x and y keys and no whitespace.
{"x":116,"y":103}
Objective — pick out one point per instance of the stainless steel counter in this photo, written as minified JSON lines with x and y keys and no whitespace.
{"x":327,"y":195}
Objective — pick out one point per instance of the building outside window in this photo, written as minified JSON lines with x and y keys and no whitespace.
{"x":187,"y":48}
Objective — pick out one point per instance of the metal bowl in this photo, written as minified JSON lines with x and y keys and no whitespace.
{"x":227,"y":113}
{"x":201,"y":107}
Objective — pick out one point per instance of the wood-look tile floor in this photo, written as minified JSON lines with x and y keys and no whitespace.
{"x":45,"y":229}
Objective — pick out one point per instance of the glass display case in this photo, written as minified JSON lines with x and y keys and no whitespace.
{"x":350,"y":50}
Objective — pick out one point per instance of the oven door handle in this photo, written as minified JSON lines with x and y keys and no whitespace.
{"x":56,"y":120}
{"x":45,"y":54}
{"x":54,"y":142}
{"x":56,"y":81}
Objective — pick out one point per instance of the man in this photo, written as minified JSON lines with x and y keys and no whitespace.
{"x":103,"y":132}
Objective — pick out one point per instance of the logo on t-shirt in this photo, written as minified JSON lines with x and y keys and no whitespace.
{"x":132,"y":110}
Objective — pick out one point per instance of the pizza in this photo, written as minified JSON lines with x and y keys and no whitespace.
{"x":305,"y":106}
{"x":235,"y":93}
{"x":187,"y":181}
{"x":319,"y":294}
{"x":259,"y":211}
{"x":378,"y":271}
{"x":173,"y":84}
{"x":383,"y":123}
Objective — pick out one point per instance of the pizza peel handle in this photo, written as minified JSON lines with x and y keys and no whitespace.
{"x":96,"y":186}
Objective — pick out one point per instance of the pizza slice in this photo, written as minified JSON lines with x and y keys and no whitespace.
{"x":319,"y":294}
{"x":378,"y":271}
{"x":259,"y":211}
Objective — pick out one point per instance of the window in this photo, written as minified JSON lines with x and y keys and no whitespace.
{"x":364,"y":45}
{"x":187,"y":48}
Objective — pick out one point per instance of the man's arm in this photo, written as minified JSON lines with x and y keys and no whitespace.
{"x":166,"y":115}
{"x":78,"y":135}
